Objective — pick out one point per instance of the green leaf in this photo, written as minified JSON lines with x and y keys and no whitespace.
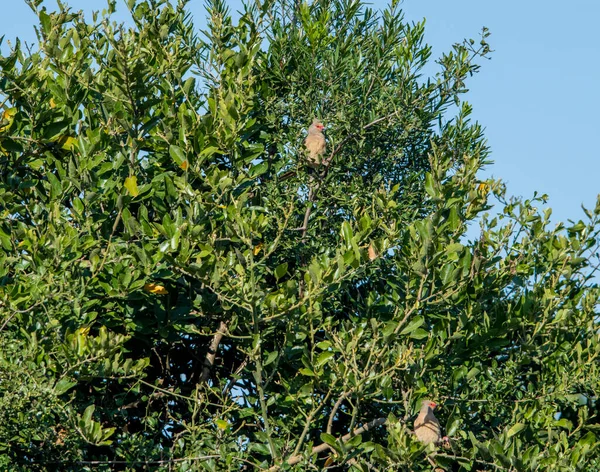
{"x":430,"y":186}
{"x":188,"y":85}
{"x":54,"y":130}
{"x":177,"y":154}
{"x":55,"y":186}
{"x":45,"y":21}
{"x":419,"y":334}
{"x":63,"y":386}
{"x":516,"y":428}
{"x":589,"y":439}
{"x":347,"y":232}
{"x":329,"y":439}
{"x":452,"y":425}
{"x":305,"y":371}
{"x":565,"y":423}
{"x":5,"y":240}
{"x":473,"y":373}
{"x":281,"y":270}
{"x":258,"y":169}
{"x":413,"y":325}
{"x":323,"y":358}
{"x":270,"y":358}
{"x":260,"y":448}
{"x":354,"y":442}
{"x":452,"y":248}
{"x":389,"y":328}
{"x":87,"y":414}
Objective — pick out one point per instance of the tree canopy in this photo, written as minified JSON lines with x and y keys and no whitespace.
{"x":180,"y":291}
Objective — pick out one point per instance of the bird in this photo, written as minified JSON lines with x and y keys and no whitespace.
{"x":315,"y":144}
{"x":427,"y":427}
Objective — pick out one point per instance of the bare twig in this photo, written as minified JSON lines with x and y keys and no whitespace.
{"x":434,"y":465}
{"x":466,"y":459}
{"x":308,"y":424}
{"x":112,"y":233}
{"x":212,"y":351}
{"x":16,"y":312}
{"x":231,"y":383}
{"x":139,"y":402}
{"x":334,"y":410}
{"x":312,"y":193}
{"x":295,"y":459}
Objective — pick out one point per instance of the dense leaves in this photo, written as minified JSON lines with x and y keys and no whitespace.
{"x":179,"y":291}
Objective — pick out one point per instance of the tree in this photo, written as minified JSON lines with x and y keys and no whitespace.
{"x":180,"y":292}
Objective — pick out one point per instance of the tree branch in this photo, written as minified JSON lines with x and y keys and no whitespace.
{"x":312,"y":193}
{"x":212,"y":351}
{"x":308,"y":423}
{"x":334,"y":410}
{"x":324,"y":446}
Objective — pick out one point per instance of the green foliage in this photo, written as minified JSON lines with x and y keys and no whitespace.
{"x":180,"y":292}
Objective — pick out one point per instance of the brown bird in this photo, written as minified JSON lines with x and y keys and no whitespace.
{"x":315,"y":144}
{"x":427,"y":427}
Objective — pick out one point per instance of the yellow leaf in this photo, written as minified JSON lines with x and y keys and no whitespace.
{"x":9,"y":113}
{"x":131,"y":185}
{"x":8,"y":116}
{"x":185,"y":165}
{"x":257,"y":248}
{"x":222,"y":424}
{"x":52,"y":103}
{"x":84,"y":331}
{"x":482,"y":189}
{"x":66,"y":142}
{"x":372,"y":253}
{"x":155,"y":289}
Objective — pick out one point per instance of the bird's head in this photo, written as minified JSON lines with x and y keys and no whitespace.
{"x":316,"y":124}
{"x":429,"y":403}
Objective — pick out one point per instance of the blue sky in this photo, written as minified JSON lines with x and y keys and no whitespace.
{"x":538,"y":97}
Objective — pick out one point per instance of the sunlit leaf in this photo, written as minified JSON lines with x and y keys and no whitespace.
{"x":131,"y":186}
{"x":155,"y":289}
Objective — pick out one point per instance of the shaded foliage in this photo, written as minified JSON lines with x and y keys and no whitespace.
{"x":165,"y":307}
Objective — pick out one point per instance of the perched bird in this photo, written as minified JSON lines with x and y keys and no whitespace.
{"x":315,"y":144}
{"x":427,"y":427}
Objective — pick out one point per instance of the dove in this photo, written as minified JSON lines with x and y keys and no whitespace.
{"x":315,"y":144}
{"x":427,"y":427}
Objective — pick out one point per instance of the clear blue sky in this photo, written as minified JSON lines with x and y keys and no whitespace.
{"x":538,"y":97}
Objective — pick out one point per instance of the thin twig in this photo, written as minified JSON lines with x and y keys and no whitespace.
{"x":334,"y":410}
{"x":308,"y":424}
{"x":112,"y":233}
{"x":312,"y":193}
{"x":212,"y":351}
{"x":16,"y":312}
{"x":139,"y":402}
{"x":466,"y":459}
{"x":324,"y":446}
{"x":231,"y":383}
